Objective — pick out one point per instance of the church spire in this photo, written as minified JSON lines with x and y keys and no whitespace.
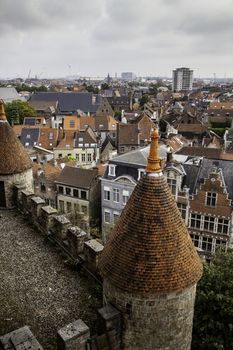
{"x":2,"y":112}
{"x":153,"y":165}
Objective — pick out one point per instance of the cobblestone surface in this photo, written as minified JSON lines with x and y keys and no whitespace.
{"x":36,"y":287}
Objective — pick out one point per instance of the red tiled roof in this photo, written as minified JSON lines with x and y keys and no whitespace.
{"x":13,"y":157}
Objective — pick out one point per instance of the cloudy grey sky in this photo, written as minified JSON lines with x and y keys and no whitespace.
{"x":94,"y":37}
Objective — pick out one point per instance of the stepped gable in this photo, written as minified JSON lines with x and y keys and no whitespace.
{"x":13,"y":157}
{"x":150,"y":250}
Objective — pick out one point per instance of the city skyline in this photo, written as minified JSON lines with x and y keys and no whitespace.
{"x":149,"y":38}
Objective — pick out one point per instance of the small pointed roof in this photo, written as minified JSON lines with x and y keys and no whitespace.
{"x":13,"y":157}
{"x":150,"y":249}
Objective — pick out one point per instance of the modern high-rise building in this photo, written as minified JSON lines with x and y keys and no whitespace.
{"x":127,"y":76}
{"x":182,"y":79}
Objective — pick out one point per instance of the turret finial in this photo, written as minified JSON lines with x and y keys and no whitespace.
{"x":153,"y":165}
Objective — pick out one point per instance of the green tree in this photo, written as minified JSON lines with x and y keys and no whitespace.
{"x":213,"y":316}
{"x":17,"y":110}
{"x":104,"y":86}
{"x":144,"y":99}
{"x":25,"y":87}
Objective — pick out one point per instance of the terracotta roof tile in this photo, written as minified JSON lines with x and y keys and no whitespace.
{"x":13,"y":157}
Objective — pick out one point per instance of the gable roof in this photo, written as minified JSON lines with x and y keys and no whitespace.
{"x":227,"y":171}
{"x":30,"y":136}
{"x":138,"y":156}
{"x":70,"y":102}
{"x":77,"y":177}
{"x":86,"y":138}
{"x":128,"y":134}
{"x":9,"y":94}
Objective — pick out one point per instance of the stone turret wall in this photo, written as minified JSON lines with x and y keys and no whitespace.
{"x":24,"y":180}
{"x":147,"y":318}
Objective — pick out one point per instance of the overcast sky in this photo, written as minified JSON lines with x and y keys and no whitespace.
{"x":97,"y":37}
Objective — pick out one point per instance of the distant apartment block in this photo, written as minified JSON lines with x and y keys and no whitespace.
{"x":182,"y":79}
{"x":127,"y":76}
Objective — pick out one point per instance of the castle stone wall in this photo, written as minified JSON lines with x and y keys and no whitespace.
{"x":154,"y":322}
{"x":24,"y":179}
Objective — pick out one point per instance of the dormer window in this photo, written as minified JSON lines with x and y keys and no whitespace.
{"x":112,"y":170}
{"x":140,"y":173}
{"x":211,"y":199}
{"x":172,"y":185}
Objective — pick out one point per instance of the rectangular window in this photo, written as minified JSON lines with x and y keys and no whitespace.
{"x":220,"y":243}
{"x":208,"y":223}
{"x":50,"y":135}
{"x":116,"y":195}
{"x":112,"y":170}
{"x":195,"y":221}
{"x":83,"y":157}
{"x":42,"y":188}
{"x":84,"y":209}
{"x":76,"y":193}
{"x":61,"y":206}
{"x":182,"y":209}
{"x":60,"y":189}
{"x":107,"y":217}
{"x":195,"y":239}
{"x":211,"y":198}
{"x":125,"y":196}
{"x":76,"y":207}
{"x":140,"y":173}
{"x":72,"y":123}
{"x":77,"y":157}
{"x":223,"y":226}
{"x":115,"y":217}
{"x":122,"y":149}
{"x":68,"y":207}
{"x":106,"y":193}
{"x":84,"y":194}
{"x":207,"y":243}
{"x":89,"y":157}
{"x":172,"y":185}
{"x":68,"y":191}
{"x":60,"y":155}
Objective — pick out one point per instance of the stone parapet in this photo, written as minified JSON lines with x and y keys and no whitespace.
{"x":73,"y":336}
{"x":60,"y":226}
{"x":26,"y":197}
{"x":92,"y":251}
{"x":76,"y":238}
{"x":108,"y":318}
{"x":36,"y":205}
{"x":47,"y":217}
{"x":20,"y":339}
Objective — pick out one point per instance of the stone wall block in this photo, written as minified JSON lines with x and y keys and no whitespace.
{"x":92,"y":251}
{"x":74,"y":336}
{"x":61,"y":224}
{"x":76,"y":238}
{"x":36,"y":204}
{"x":47,"y":217}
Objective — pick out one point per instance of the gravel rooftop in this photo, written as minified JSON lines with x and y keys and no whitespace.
{"x":37,"y":288}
